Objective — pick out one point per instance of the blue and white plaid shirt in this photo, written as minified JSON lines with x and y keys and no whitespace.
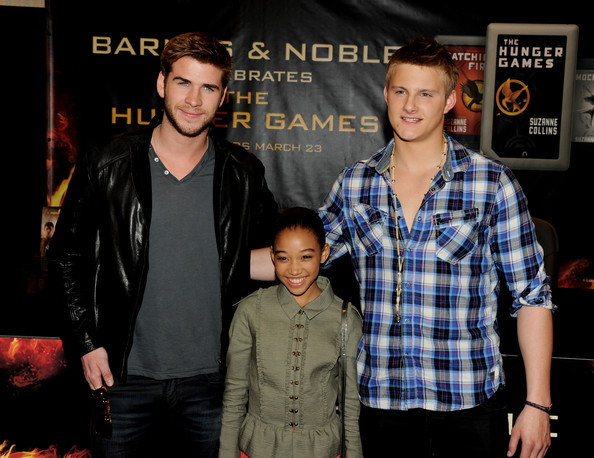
{"x":473,"y":223}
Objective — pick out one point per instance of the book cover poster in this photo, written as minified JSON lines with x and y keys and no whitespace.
{"x":463,"y":122}
{"x":583,"y":110}
{"x":528,"y":103}
{"x":529,"y":81}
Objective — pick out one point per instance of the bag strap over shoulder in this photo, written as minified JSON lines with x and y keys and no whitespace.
{"x":343,"y":341}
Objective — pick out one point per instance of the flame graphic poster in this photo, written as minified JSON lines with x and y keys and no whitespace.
{"x":28,"y":362}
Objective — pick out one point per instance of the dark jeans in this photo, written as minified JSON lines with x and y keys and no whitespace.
{"x":178,"y":417}
{"x":480,"y":432}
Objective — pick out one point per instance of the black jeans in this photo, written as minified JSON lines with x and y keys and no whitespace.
{"x":154,"y":417}
{"x":480,"y":432}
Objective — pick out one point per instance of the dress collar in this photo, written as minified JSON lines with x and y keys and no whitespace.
{"x":311,"y":310}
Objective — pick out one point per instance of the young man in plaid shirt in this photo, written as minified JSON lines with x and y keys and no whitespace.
{"x":431,"y":227}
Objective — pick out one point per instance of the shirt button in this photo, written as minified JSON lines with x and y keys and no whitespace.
{"x":166,"y":172}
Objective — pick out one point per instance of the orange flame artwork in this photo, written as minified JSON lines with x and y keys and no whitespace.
{"x":7,"y":451}
{"x":27,"y":362}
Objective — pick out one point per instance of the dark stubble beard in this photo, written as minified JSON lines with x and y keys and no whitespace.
{"x":185,"y":132}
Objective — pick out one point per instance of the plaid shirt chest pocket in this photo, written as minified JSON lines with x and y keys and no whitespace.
{"x":456,"y":234}
{"x":368,"y":225}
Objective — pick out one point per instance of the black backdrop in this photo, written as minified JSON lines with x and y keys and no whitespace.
{"x":88,"y":86}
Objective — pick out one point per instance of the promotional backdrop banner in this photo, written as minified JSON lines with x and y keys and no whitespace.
{"x":306,"y":94}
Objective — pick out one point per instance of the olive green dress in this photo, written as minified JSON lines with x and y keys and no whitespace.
{"x":282,"y":384}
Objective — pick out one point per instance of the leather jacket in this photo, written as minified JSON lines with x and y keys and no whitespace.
{"x":100,"y":247}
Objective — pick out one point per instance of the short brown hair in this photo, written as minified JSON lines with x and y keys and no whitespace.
{"x":425,"y":52}
{"x":200,"y":46}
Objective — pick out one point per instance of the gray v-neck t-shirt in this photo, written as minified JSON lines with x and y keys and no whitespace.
{"x":178,"y":329}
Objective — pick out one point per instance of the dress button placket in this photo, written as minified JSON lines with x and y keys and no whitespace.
{"x":296,"y":358}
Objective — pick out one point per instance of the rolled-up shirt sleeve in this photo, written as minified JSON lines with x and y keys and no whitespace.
{"x":518,"y":255}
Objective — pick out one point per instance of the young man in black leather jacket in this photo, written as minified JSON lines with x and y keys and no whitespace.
{"x":152,"y":249}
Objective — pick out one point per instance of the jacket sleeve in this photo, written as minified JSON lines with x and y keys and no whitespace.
{"x":352,"y":403}
{"x":236,"y":394}
{"x":72,"y":257}
{"x":265,"y":213}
